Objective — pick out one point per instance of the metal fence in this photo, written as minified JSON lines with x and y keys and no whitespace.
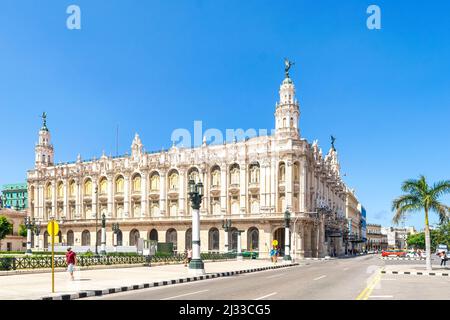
{"x":30,"y":262}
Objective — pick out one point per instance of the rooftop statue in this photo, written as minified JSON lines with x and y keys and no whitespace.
{"x":287,"y":65}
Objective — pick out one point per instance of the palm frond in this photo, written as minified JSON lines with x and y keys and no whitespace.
{"x":442,"y":210}
{"x":404,"y":204}
{"x":440,"y":188}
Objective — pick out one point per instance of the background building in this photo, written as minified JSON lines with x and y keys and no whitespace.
{"x":354,"y":240}
{"x":15,"y":196}
{"x":14,"y":242}
{"x":375,"y":239}
{"x":396,"y":237}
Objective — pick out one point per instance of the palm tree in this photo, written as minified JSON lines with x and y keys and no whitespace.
{"x":419,"y":196}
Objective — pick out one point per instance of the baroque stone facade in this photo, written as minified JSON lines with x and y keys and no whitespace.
{"x":251,"y":182}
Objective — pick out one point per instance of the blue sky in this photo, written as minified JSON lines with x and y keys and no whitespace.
{"x":154,"y":66}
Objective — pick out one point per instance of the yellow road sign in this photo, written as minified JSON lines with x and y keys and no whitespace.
{"x":275,"y":242}
{"x":53,"y":228}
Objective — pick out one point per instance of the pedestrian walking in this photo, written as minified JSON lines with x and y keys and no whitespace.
{"x":71,"y":259}
{"x":444,"y":259}
{"x":273,"y":255}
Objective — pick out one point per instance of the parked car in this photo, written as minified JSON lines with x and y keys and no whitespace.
{"x":393,"y":253}
{"x":412,"y":254}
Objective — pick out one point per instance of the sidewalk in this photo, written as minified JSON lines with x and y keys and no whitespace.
{"x":38,"y":286}
{"x":416,"y":269}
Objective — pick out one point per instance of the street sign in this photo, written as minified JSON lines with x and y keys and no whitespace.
{"x":275,"y":242}
{"x":53,"y":228}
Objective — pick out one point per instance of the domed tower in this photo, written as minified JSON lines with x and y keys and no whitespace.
{"x":44,"y":149}
{"x":287,"y":111}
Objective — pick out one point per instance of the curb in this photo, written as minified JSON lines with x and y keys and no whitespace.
{"x":403,"y":259}
{"x":92,"y":293}
{"x":417,"y":273}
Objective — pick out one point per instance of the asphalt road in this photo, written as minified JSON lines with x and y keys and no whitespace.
{"x":332,"y":279}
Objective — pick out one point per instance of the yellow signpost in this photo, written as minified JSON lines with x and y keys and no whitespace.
{"x":53,"y":229}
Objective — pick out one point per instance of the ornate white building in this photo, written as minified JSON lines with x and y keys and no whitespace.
{"x":251,"y":182}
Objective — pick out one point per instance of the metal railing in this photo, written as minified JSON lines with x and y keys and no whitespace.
{"x":21,"y":263}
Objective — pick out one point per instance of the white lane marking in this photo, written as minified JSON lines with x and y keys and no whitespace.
{"x":388,"y":279}
{"x":381,"y":296}
{"x":274,"y":276}
{"x":267,"y":295}
{"x":318,"y":278}
{"x":186,"y":294}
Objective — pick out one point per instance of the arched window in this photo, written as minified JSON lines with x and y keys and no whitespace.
{"x":234,"y":174}
{"x":70,"y":238}
{"x":48,"y":191}
{"x":134,"y":236}
{"x":137,"y":183}
{"x":254,"y":173}
{"x":60,"y":193}
{"x":171,"y":236}
{"x":119,"y":238}
{"x":254,"y":205}
{"x":119,"y":184}
{"x":253,"y":239}
{"x":103,"y":186}
{"x":154,"y":182}
{"x":173,"y":180}
{"x":72,"y":188}
{"x":46,"y":235}
{"x":153,"y":235}
{"x":188,"y":239}
{"x":194,"y":175}
{"x":235,"y":206}
{"x":284,"y":122}
{"x":213,"y":239}
{"x":86,"y":238}
{"x":88,"y":187}
{"x":282,"y":172}
{"x":215,"y":177}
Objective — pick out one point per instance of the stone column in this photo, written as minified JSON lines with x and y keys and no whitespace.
{"x":126,"y":196}
{"x":110,"y":196}
{"x":301,"y":242}
{"x":239,"y":256}
{"x":273,"y":184}
{"x":223,"y":188}
{"x":28,"y":241}
{"x":162,"y":194}
{"x":307,"y":240}
{"x":302,"y":195}
{"x":206,"y":203}
{"x":226,"y":234}
{"x":78,"y":203}
{"x":288,"y":186}
{"x":144,"y":195}
{"x":243,"y":188}
{"x":262,"y":186}
{"x":36,"y":201}
{"x":54,"y":203}
{"x":94,"y":198}
{"x":182,"y":193}
{"x":66,"y":200}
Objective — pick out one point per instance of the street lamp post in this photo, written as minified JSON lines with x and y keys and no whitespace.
{"x":115,"y":228}
{"x":103,"y":247}
{"x":196,"y":266}
{"x":29,"y":224}
{"x":287,"y":236}
{"x":239,"y":255}
{"x":226,"y":225}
